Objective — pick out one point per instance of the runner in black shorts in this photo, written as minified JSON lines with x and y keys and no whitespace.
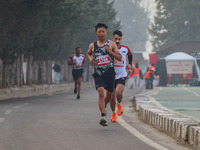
{"x":77,"y":73}
{"x":101,"y":55}
{"x":106,"y":80}
{"x":120,"y":81}
{"x":78,"y":62}
{"x":121,"y":75}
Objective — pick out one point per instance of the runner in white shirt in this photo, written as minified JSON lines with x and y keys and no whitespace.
{"x":121,"y":75}
{"x":78,"y":61}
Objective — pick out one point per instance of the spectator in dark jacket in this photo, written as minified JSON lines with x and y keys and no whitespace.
{"x":57,"y":70}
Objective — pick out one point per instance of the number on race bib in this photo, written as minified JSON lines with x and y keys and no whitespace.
{"x":119,"y":63}
{"x":103,"y":60}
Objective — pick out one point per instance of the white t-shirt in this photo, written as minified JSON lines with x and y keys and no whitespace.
{"x":120,"y":66}
{"x":78,"y":60}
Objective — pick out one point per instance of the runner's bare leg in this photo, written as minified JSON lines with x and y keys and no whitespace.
{"x":101,"y":99}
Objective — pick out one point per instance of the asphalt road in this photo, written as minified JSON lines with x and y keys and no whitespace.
{"x":60,"y":122}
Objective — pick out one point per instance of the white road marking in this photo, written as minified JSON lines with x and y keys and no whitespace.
{"x":8,"y":112}
{"x":1,"y":120}
{"x":139,"y":135}
{"x":16,"y":106}
{"x":190,"y":91}
{"x":158,"y":91}
{"x":181,"y":108}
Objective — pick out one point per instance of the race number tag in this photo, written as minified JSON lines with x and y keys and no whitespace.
{"x":78,"y":64}
{"x":103,"y":60}
{"x":119,"y":63}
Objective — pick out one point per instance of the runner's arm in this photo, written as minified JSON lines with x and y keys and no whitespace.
{"x":130,"y":58}
{"x":89,"y":54}
{"x":84,"y":62}
{"x":70,"y":61}
{"x":114,"y":51}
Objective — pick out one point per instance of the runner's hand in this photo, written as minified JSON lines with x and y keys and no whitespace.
{"x":108,"y":49}
{"x":128,"y":67}
{"x":78,"y":66}
{"x":92,"y":62}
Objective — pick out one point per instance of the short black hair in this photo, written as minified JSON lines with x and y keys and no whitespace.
{"x":136,"y":65}
{"x":99,"y":25}
{"x":77,"y":48}
{"x":118,"y":32}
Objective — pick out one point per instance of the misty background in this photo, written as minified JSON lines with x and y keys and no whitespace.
{"x":35,"y":33}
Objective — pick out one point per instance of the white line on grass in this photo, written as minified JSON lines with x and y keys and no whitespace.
{"x":190,"y":91}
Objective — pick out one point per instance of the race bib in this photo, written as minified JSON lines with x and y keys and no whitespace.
{"x":78,"y":63}
{"x":103,"y":60}
{"x":119,"y":63}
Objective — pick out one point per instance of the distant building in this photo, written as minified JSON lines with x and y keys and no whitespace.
{"x":137,"y":58}
{"x":189,"y":47}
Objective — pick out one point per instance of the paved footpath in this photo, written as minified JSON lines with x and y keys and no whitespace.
{"x":185,"y":100}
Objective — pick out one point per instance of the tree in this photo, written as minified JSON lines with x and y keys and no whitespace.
{"x":35,"y":30}
{"x":175,"y":21}
{"x":134,"y":22}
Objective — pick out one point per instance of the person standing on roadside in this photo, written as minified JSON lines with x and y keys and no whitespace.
{"x":121,"y":68}
{"x":57,"y":70}
{"x":151,"y":68}
{"x":78,"y":61}
{"x":136,"y":75}
{"x":101,"y":55}
{"x":148,"y":77}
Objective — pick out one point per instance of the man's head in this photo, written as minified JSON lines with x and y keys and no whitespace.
{"x":117,"y":37}
{"x":153,"y":69}
{"x":136,"y":65}
{"x":101,"y":31}
{"x":78,"y":51}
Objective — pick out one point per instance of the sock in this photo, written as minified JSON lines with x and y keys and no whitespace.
{"x":113,"y":111}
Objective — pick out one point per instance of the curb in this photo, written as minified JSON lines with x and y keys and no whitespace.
{"x":39,"y":90}
{"x":181,"y":127}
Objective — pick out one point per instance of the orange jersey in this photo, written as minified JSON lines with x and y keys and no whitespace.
{"x":147,"y":75}
{"x":130,"y":73}
{"x":136,"y":71}
{"x":150,"y":68}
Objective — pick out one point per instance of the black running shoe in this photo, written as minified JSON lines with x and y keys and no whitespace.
{"x":103,"y":121}
{"x":78,"y":96}
{"x":75,"y":90}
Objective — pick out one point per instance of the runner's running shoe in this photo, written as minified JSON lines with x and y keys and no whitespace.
{"x":78,"y":96}
{"x":119,"y":110}
{"x":103,"y":121}
{"x":113,"y":117}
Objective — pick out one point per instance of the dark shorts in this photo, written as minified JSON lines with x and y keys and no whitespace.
{"x":107,"y":80}
{"x":76,"y":73}
{"x":120,"y":81}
